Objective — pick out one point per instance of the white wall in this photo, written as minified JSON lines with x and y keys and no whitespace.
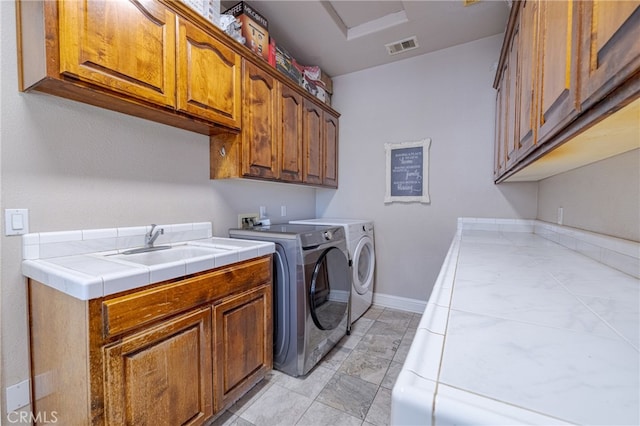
{"x":446,"y":96}
{"x":75,"y":166}
{"x":603,"y":197}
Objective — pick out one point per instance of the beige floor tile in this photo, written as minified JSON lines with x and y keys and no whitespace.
{"x":360,"y":327}
{"x":323,"y":415}
{"x":380,"y":412}
{"x":396,"y":317}
{"x":350,"y":394}
{"x":311,"y":384}
{"x":392,"y":375}
{"x":365,"y":366}
{"x":334,"y":359}
{"x":277,"y":406}
{"x":405,"y":345}
{"x":373,"y":312}
{"x":350,"y":342}
{"x":254,"y":394}
{"x":415,"y":321}
{"x":382,"y":346}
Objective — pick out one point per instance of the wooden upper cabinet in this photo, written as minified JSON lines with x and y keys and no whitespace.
{"x":312,"y":143}
{"x":330,"y":155}
{"x":259,"y":126}
{"x":576,"y":62}
{"x":209,"y":76}
{"x":610,"y":47}
{"x":558,"y":61}
{"x":162,"y":375}
{"x":290,"y":134}
{"x":126,"y":46}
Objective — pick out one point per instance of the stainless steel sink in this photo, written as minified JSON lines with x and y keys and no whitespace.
{"x":171,"y":254}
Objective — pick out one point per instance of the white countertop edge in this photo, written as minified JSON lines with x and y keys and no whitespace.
{"x":74,"y":283}
{"x":456,"y":406}
{"x":86,"y":287}
{"x":415,"y":392}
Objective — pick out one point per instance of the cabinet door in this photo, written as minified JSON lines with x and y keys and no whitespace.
{"x":610,"y":49}
{"x":330,"y":154}
{"x":259,"y":127}
{"x":243,"y":340}
{"x":527,"y":64}
{"x":312,"y":143}
{"x":558,"y":76}
{"x":500,"y":160}
{"x":511,"y":104}
{"x":161,"y":376}
{"x":290,"y":134}
{"x":209,"y":77}
{"x":126,"y":46}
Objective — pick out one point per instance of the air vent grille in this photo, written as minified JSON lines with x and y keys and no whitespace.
{"x":402,"y":45}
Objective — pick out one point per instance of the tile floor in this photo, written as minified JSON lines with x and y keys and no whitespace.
{"x":350,"y":386}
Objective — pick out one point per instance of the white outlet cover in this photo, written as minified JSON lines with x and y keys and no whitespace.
{"x":18,"y":396}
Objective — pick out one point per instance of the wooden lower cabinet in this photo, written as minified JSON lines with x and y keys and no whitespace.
{"x":161,"y":376}
{"x":243,"y":354}
{"x":199,"y":344}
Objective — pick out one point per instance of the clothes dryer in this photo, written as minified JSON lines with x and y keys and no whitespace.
{"x":311,"y":291}
{"x":360,"y":244}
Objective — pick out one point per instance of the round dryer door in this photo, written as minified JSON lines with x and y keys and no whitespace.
{"x":329,"y":289}
{"x":363,"y":264}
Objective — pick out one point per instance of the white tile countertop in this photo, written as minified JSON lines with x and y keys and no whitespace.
{"x":520,"y":329}
{"x":88,"y":264}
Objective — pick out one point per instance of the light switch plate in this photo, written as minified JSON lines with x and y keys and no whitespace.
{"x":16,"y":221}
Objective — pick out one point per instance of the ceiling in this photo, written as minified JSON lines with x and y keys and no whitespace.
{"x":343,"y":36}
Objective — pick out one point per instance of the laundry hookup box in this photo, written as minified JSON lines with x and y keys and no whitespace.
{"x":255,"y":28}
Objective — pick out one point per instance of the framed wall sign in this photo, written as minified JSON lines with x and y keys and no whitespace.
{"x":407,"y":177}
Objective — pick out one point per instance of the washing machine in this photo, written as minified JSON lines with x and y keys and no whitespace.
{"x":311,"y":289}
{"x":361,"y":248}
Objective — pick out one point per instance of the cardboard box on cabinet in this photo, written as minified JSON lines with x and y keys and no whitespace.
{"x":255,"y":28}
{"x":283,"y":62}
{"x":210,"y":9}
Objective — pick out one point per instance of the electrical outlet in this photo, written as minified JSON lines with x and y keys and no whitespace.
{"x":247,"y":220}
{"x":560,"y":218}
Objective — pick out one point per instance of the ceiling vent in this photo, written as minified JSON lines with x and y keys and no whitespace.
{"x":402,"y":45}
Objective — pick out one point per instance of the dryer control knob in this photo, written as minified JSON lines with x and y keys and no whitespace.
{"x":327,"y":235}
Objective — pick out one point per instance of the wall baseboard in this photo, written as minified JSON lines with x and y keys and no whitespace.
{"x":402,"y":303}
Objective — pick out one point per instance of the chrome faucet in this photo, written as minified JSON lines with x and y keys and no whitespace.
{"x":152,"y":236}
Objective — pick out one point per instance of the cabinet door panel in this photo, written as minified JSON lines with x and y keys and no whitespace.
{"x":501,"y":123}
{"x":558,"y":61}
{"x":126,"y":46}
{"x":527,"y":64}
{"x":290,"y":126}
{"x":330,"y":155}
{"x":209,"y":77}
{"x":162,"y":375}
{"x":511,"y":117}
{"x":243,"y":343}
{"x":259,"y":127}
{"x":610,"y":49}
{"x":312,"y":141}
